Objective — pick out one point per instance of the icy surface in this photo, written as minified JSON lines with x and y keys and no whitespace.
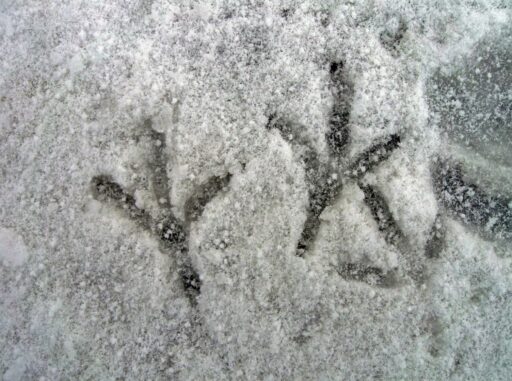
{"x":258,"y":190}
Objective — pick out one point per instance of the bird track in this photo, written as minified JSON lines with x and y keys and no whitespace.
{"x":464,"y":201}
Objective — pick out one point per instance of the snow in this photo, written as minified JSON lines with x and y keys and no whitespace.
{"x":393,"y":284}
{"x":13,"y":251}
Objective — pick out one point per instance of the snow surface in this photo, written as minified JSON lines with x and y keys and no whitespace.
{"x":408,"y":290}
{"x":12,"y":249}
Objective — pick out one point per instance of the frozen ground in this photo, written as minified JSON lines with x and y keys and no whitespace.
{"x":262,"y":190}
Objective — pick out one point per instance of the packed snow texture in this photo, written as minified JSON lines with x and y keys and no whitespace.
{"x":258,"y":190}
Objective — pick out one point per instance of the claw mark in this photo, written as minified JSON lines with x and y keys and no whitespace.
{"x":381,"y":213}
{"x":293,"y":133}
{"x":372,"y":275}
{"x":343,"y":91}
{"x":322,"y":195}
{"x":203,"y":195}
{"x":158,"y":161}
{"x":106,"y":190}
{"x":172,"y":233}
{"x":491,"y":214}
{"x":374,"y":156}
{"x":435,"y":242}
{"x":324,"y":186}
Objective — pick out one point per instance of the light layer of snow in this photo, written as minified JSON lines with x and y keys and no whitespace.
{"x":88,"y":293}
